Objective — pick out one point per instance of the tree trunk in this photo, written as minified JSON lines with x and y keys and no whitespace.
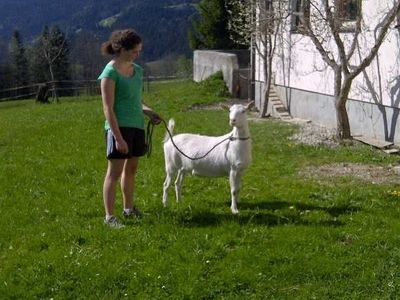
{"x":55,"y":95}
{"x":42,"y":95}
{"x":265,"y":97}
{"x":342,"y":118}
{"x":267,"y":87}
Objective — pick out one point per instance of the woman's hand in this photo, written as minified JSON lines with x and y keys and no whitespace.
{"x":154,"y":117}
{"x":122,"y":146}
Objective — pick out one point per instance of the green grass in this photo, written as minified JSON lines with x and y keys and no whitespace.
{"x":295,"y":237}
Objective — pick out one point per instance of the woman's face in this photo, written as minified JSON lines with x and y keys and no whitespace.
{"x":131,"y":54}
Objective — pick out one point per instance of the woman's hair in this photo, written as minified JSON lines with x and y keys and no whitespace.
{"x":126,"y":38}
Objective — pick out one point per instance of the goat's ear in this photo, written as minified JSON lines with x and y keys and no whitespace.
{"x":250,"y":105}
{"x":224,"y":106}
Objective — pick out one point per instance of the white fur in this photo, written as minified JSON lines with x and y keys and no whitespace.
{"x":230,"y":158}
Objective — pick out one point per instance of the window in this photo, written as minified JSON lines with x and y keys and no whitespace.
{"x":348,"y":10}
{"x":266,"y":17}
{"x":268,"y":4}
{"x":300,"y":13}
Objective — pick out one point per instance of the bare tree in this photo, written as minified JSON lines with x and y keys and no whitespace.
{"x":54,"y":46}
{"x":326,"y":22}
{"x":259,"y":23}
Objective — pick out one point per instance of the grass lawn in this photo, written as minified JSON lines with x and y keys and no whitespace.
{"x":296,"y":237}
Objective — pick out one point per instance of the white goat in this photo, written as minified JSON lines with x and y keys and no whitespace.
{"x":231,"y":157}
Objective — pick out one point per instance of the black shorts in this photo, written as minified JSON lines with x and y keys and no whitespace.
{"x":134,"y":137}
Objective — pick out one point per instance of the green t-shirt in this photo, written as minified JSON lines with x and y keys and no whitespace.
{"x":128,"y":96}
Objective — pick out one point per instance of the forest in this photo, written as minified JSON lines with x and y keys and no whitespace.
{"x":81,"y":26}
{"x":55,"y":41}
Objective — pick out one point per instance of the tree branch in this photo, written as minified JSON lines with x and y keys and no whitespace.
{"x":389,"y":18}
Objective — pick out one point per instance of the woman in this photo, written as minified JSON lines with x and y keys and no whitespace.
{"x":121,"y":90}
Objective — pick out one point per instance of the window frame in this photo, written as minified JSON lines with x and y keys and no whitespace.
{"x":299,"y":9}
{"x":343,"y":10}
{"x":347,"y":23}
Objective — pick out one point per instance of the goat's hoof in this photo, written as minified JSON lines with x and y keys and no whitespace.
{"x":235,"y":211}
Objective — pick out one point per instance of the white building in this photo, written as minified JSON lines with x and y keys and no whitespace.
{"x":305,"y":83}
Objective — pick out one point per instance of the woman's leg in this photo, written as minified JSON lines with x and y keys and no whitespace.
{"x":128,"y":181}
{"x":114,"y":170}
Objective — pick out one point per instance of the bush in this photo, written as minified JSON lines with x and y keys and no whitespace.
{"x":216,"y":84}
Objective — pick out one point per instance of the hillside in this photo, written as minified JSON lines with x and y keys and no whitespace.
{"x":162,"y":23}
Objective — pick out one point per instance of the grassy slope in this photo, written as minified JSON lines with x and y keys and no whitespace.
{"x":294,"y":237}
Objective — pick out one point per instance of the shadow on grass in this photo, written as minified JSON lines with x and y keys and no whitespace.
{"x":280,"y":213}
{"x":261,"y":213}
{"x":334,"y":211}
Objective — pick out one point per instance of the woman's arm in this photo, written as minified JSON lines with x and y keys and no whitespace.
{"x":107,"y":95}
{"x":154,"y":117}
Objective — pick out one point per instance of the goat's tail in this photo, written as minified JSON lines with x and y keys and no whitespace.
{"x":170,"y":130}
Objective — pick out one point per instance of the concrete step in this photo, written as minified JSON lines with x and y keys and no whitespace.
{"x":285,"y":116}
{"x":281,"y":108}
{"x":275,"y":100}
{"x":278,"y":105}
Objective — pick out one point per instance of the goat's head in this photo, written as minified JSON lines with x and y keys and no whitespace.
{"x":237,"y":114}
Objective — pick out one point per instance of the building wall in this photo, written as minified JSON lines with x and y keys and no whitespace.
{"x":308,"y":81}
{"x":367,"y":119}
{"x":300,"y":65}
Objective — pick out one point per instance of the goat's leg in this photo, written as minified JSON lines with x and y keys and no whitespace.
{"x":234,"y":180}
{"x":178,"y":184}
{"x":167,"y":183}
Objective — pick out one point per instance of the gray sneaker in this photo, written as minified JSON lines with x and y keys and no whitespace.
{"x":113,"y":222}
{"x":134,"y":213}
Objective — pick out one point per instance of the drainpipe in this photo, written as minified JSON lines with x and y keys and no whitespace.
{"x":252,"y":72}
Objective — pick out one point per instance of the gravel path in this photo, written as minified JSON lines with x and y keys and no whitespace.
{"x":313,"y":134}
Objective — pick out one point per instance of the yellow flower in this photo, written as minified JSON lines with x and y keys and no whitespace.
{"x":394,"y":193}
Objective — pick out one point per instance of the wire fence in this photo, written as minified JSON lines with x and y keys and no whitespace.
{"x":66,"y":88}
{"x":63,"y":87}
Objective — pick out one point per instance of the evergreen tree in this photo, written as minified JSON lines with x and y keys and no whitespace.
{"x":210,"y":28}
{"x":85,"y":56}
{"x":5,"y":77}
{"x":39,"y":69}
{"x":4,"y":52}
{"x":5,"y":73}
{"x":19,"y":62}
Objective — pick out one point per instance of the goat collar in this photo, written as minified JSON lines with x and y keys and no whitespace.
{"x":232,"y":138}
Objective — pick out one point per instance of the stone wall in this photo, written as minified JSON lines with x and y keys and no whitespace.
{"x":232,"y":63}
